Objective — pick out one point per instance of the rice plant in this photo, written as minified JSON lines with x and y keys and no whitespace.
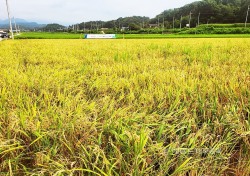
{"x":125,"y":107}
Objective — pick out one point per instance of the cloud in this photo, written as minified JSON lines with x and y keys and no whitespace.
{"x":75,"y":11}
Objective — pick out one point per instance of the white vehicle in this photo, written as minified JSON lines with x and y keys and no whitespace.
{"x":4,"y":34}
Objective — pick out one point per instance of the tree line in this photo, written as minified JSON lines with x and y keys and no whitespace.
{"x":206,"y":11}
{"x":201,"y":12}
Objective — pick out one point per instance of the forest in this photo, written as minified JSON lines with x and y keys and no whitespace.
{"x":202,"y":12}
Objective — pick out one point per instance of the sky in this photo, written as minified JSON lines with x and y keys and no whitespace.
{"x":75,"y":11}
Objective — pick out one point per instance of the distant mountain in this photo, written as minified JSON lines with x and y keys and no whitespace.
{"x":18,"y":20}
{"x":23,"y":24}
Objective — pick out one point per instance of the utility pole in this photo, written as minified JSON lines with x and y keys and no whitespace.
{"x":190,"y":16}
{"x":247,"y":15}
{"x":173,"y":22}
{"x":97,"y":27}
{"x":158,"y":22}
{"x":180,"y":21}
{"x":163,"y":24}
{"x":173,"y":19}
{"x":115,"y":27}
{"x":8,"y":11}
{"x":15,"y":24}
{"x":199,"y":19}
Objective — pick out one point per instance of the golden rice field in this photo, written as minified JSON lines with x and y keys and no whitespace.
{"x":178,"y":107}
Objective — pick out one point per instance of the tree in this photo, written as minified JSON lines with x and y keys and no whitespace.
{"x":134,"y":27}
{"x":212,"y":11}
{"x":53,"y":27}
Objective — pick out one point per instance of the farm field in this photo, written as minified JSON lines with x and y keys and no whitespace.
{"x":48,"y":35}
{"x":125,"y":107}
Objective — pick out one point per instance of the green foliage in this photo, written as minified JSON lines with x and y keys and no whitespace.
{"x":212,"y":11}
{"x":53,"y":27}
{"x":142,"y":34}
{"x":230,"y":13}
{"x":217,"y":29}
{"x":134,"y":27}
{"x":135,"y":22}
{"x":49,"y":35}
{"x":233,"y":25}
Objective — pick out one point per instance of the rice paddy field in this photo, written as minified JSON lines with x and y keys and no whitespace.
{"x":178,"y":107}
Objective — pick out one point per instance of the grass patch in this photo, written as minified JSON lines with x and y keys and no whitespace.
{"x":46,"y":35}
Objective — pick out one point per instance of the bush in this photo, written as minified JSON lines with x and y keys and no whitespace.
{"x":234,"y":25}
{"x":212,"y":30}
